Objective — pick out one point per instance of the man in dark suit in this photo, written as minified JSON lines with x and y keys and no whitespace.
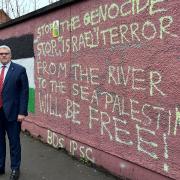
{"x":14,"y":93}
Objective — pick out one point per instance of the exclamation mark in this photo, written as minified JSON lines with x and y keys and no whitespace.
{"x":166,"y":167}
{"x":177,"y":123}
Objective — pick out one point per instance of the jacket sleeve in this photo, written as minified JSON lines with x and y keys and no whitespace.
{"x":24,"y":93}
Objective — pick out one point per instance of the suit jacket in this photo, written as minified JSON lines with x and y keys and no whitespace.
{"x":15,"y":92}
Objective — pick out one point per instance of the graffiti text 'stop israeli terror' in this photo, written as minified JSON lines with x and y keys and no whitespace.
{"x":118,"y":30}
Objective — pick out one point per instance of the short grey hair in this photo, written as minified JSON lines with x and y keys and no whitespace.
{"x":5,"y":47}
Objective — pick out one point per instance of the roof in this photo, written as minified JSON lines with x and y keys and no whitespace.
{"x":3,"y":16}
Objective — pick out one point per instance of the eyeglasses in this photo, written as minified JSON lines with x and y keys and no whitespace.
{"x":1,"y":54}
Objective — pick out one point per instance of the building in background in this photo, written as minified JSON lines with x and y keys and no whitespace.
{"x":3,"y":17}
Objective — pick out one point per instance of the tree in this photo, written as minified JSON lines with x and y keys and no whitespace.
{"x":17,"y":8}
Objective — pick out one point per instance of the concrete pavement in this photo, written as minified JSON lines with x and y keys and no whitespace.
{"x":42,"y":162}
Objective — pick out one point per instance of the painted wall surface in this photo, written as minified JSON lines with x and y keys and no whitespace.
{"x":106,"y":83}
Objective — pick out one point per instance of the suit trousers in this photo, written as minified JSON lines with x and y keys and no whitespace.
{"x":12,"y":129}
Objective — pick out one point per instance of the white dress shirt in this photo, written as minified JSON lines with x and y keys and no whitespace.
{"x":6,"y":68}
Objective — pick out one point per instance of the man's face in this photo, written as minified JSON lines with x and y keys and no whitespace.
{"x":5,"y":55}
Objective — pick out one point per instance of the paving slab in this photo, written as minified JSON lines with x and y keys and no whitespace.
{"x":43,"y":162}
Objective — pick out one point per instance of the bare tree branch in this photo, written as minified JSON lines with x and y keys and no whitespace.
{"x":17,"y":8}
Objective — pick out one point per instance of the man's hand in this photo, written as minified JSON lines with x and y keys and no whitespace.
{"x":21,"y":118}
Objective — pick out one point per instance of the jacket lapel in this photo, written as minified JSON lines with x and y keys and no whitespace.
{"x":8,"y":75}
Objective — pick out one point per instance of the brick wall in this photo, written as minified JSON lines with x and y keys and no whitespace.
{"x":106,"y":83}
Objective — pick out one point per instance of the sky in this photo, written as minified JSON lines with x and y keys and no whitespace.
{"x":26,"y":6}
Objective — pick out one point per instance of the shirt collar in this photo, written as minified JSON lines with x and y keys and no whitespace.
{"x":7,"y":65}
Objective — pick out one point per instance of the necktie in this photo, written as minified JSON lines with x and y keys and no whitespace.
{"x":1,"y":84}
